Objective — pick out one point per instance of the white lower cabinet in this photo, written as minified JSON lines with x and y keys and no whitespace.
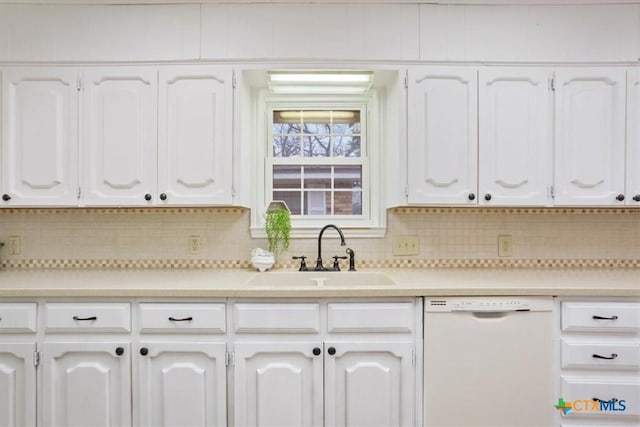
{"x":86,"y":383}
{"x":17,"y":383}
{"x":369,"y":384}
{"x":336,"y":364}
{"x":278,"y":384}
{"x":182,"y":384}
{"x":599,"y":363}
{"x":17,"y":368}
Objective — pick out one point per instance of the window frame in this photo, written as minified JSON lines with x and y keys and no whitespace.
{"x":372,"y":222}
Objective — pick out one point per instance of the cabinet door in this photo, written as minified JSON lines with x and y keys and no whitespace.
{"x":119,"y":135}
{"x":590,"y":136}
{"x":182,"y":384}
{"x":86,"y":384}
{"x":515,"y":158}
{"x":633,"y":137}
{"x":369,"y":384}
{"x":195,"y":135}
{"x":278,"y":384}
{"x":443,"y":125}
{"x":39,"y":136}
{"x":17,"y":384}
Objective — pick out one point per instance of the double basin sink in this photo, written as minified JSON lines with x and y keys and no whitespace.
{"x":321,"y":279}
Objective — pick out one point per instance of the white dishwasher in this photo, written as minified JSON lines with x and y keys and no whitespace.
{"x":488,"y":361}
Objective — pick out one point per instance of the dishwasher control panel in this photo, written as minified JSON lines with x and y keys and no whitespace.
{"x":481,"y":304}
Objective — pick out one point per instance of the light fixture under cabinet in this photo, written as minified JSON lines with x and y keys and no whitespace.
{"x":319,"y":82}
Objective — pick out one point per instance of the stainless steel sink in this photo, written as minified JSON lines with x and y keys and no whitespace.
{"x":321,"y":279}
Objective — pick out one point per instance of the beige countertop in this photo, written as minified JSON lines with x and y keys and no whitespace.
{"x":284,"y":283}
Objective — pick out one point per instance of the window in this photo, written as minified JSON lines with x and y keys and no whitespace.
{"x":318,"y":161}
{"x":319,"y":152}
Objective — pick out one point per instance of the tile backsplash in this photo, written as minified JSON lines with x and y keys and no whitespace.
{"x":161,"y":235}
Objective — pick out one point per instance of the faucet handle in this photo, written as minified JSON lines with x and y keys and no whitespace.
{"x":336,"y":264}
{"x":303,"y":263}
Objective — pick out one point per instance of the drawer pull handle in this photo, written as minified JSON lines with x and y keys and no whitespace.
{"x":183,"y":319}
{"x":614,"y":317}
{"x":613,"y":356}
{"x":84,"y":318}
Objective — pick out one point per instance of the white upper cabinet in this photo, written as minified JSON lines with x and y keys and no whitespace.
{"x":443,"y":135}
{"x":39,"y":137}
{"x":119,"y":135}
{"x":515,"y":146}
{"x":633,"y":137}
{"x":590,"y":136}
{"x":195,"y":135}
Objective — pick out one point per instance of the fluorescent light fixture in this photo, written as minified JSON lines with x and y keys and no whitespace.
{"x":317,"y":115}
{"x":318,"y":82}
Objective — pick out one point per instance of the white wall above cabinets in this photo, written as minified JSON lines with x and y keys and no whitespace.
{"x":99,"y":32}
{"x":148,"y":135}
{"x":522,"y":31}
{"x":39,"y":136}
{"x":590,"y":136}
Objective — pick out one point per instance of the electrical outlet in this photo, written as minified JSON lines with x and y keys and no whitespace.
{"x":14,"y":245}
{"x":195,"y":245}
{"x":505,"y":246}
{"x":406,"y":245}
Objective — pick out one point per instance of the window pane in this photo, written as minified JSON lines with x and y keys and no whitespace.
{"x":346,"y":146}
{"x":348,"y":177}
{"x":287,"y":128}
{"x":286,"y":146}
{"x":316,"y":146}
{"x":348,"y":202}
{"x":292,"y":198}
{"x":317,"y":203}
{"x":287,"y":176}
{"x":317,"y":177}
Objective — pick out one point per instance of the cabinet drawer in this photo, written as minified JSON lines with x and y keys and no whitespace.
{"x":370,"y":317}
{"x":601,"y":316}
{"x":614,"y":355}
{"x":19,"y":317}
{"x":277,"y":318}
{"x":89,"y":317}
{"x":622,"y":395}
{"x":183,"y":318}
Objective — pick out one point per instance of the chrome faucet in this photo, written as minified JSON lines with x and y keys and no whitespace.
{"x":319,"y":266}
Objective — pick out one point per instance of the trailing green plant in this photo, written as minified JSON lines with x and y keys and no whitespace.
{"x":278,"y":227}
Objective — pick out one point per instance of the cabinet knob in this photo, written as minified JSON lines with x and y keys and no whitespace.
{"x":636,"y":198}
{"x":487,"y":197}
{"x":119,"y":351}
{"x":471,"y":196}
{"x":316,"y":351}
{"x":147,"y":197}
{"x":163,"y":196}
{"x":144,"y":351}
{"x":6,"y":197}
{"x":620,"y":197}
{"x":331,"y":351}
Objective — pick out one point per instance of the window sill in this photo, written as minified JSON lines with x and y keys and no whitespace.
{"x":312,"y":232}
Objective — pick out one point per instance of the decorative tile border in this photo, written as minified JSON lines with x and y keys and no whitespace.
{"x":362,"y":264}
{"x":126,"y":210}
{"x":514,"y":210}
{"x":396,"y":210}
